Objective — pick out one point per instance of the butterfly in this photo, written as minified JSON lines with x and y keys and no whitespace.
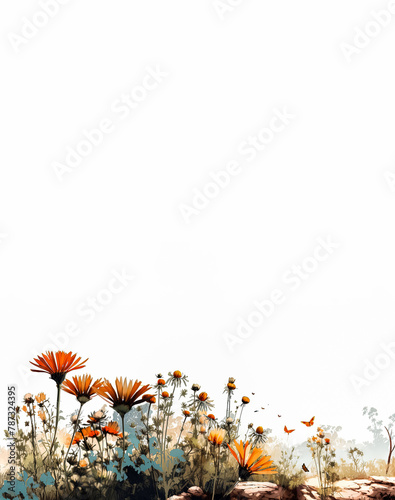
{"x":310,"y":423}
{"x":288,"y":431}
{"x":305,"y":468}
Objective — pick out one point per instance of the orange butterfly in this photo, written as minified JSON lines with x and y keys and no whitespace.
{"x":305,"y":468}
{"x":288,"y":431}
{"x":310,"y":423}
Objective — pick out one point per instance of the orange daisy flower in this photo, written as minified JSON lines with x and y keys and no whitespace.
{"x":255,"y":463}
{"x":124,"y":395}
{"x":57,"y":364}
{"x":113,"y":429}
{"x":82,"y":387}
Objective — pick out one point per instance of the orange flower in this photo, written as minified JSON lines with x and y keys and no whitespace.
{"x":77,"y":438}
{"x":124,"y":395}
{"x":149,"y":398}
{"x":24,"y":408}
{"x":231,"y":386}
{"x":186,"y":413}
{"x":88,"y":432}
{"x":42,"y":415}
{"x":202,"y":430}
{"x":83,"y":463}
{"x":327,"y":440}
{"x":82,"y":387}
{"x":40,"y":398}
{"x":161,"y":381}
{"x":256,"y":463}
{"x":203,"y":396}
{"x":211,"y":416}
{"x":177,"y":374}
{"x":216,"y":436}
{"x":165,"y":395}
{"x":113,"y":429}
{"x":245,"y":400}
{"x":57,"y":364}
{"x":259,"y":430}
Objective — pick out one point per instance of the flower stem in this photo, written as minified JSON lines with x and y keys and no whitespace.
{"x":57,"y":419}
{"x":123,"y":441}
{"x":71,"y":442}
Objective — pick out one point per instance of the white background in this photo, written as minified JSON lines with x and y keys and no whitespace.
{"x":119,"y":209}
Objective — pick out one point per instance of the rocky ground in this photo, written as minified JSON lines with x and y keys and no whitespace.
{"x":374,"y":487}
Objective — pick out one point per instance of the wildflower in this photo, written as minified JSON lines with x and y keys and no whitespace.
{"x":195,"y":387}
{"x":165,"y":395}
{"x":259,"y":436}
{"x":255,"y":463}
{"x":231,"y":386}
{"x":96,"y":417}
{"x":74,"y":419}
{"x":24,"y":408}
{"x":88,"y":432}
{"x":186,"y":413}
{"x":124,"y":395}
{"x":229,"y":421}
{"x":64,"y":437}
{"x":41,"y":398}
{"x":211,"y":416}
{"x":83,"y":463}
{"x":149,"y":398}
{"x":42,"y":415}
{"x":203,"y":430}
{"x":57,"y":364}
{"x":216,"y":436}
{"x":161,"y":381}
{"x":204,"y":403}
{"x":327,"y":440}
{"x":177,"y":378}
{"x":28,"y":398}
{"x":245,"y":400}
{"x":82,"y":387}
{"x":113,"y":429}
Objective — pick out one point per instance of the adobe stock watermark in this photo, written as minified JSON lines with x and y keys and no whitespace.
{"x":225,"y":7}
{"x":373,"y":369}
{"x":293,"y":278}
{"x":30,"y":28}
{"x":86,"y":312}
{"x":380,"y":19}
{"x":121,"y":108}
{"x":248,"y":150}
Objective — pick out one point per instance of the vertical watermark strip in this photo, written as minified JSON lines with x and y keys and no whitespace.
{"x":10,"y":477}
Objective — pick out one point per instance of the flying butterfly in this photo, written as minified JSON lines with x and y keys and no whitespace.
{"x":288,"y":431}
{"x":305,"y":468}
{"x":309,"y":423}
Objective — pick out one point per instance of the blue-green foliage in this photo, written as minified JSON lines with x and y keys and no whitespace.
{"x":26,"y":483}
